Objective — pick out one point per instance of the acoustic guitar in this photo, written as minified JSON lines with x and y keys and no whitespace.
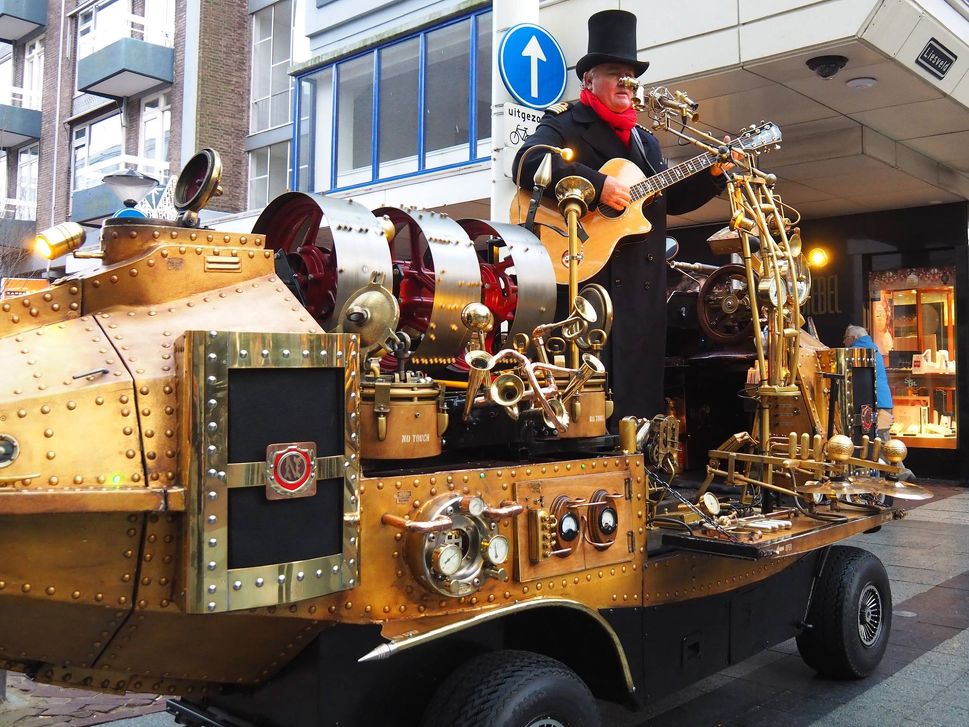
{"x":606,"y":226}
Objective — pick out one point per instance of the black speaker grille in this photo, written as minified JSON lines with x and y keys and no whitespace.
{"x":277,"y":405}
{"x":263,"y":532}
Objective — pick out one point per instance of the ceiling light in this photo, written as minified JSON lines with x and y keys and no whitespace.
{"x":861,"y":82}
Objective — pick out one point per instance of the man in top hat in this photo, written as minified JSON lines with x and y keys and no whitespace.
{"x":600,"y":127}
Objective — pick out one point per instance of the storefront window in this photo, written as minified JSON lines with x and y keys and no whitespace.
{"x":913,"y":324}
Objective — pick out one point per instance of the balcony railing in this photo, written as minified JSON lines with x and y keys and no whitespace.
{"x":20,"y":97}
{"x":134,"y":26}
{"x":18,"y":209}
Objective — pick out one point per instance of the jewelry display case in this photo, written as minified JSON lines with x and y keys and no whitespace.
{"x":913,"y":323}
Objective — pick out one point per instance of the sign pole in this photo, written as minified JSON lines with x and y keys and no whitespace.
{"x":505,"y":14}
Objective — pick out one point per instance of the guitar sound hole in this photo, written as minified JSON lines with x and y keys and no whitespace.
{"x":607,"y":211}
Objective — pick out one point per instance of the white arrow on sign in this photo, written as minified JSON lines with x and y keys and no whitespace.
{"x":533,"y":51}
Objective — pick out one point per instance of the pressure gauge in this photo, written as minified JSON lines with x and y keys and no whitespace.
{"x":476,"y":506}
{"x":568,"y":527}
{"x":710,"y":503}
{"x":446,"y":559}
{"x":769,"y":292}
{"x":608,"y":520}
{"x":496,"y":549}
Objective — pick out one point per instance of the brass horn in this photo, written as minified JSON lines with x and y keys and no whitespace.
{"x":480,"y":364}
{"x":507,"y":390}
{"x":590,"y":365}
{"x":555,"y":415}
{"x":583,"y":313}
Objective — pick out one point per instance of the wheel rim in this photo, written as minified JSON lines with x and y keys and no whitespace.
{"x":545,"y":722}
{"x":869,"y":615}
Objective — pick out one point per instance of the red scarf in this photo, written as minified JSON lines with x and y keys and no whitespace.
{"x":621,"y":123}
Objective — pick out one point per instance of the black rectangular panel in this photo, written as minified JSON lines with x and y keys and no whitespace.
{"x":276,"y":405}
{"x":262,"y":532}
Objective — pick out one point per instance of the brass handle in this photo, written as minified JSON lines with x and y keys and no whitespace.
{"x":506,"y":509}
{"x":436,"y":525}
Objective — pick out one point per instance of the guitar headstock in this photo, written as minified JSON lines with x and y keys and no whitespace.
{"x":760,"y":138}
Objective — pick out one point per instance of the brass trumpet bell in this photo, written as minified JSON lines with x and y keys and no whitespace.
{"x":557,"y":410}
{"x":479,"y":364}
{"x":507,"y":390}
{"x":590,"y":365}
{"x":583,"y":313}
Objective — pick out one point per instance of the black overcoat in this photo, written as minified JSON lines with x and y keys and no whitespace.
{"x":636,"y":274}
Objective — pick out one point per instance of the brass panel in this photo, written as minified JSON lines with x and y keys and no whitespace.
{"x":26,"y":313}
{"x":388,"y":591}
{"x":221,"y":647}
{"x":66,"y":582}
{"x":210,"y":585}
{"x":125,"y":241}
{"x":541,"y":493}
{"x":55,"y":632}
{"x":145,"y":334}
{"x":411,"y":431}
{"x":60,"y":383}
{"x":253,"y":474}
{"x":34,"y":501}
{"x":682,"y":576}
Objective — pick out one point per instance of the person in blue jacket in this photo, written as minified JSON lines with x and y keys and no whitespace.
{"x":857,"y":337}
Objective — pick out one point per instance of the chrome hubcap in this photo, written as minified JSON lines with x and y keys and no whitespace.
{"x":545,"y":722}
{"x":869,"y":615}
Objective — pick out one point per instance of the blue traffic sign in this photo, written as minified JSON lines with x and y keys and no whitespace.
{"x":532,"y":66}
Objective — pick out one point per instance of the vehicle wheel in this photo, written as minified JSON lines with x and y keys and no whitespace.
{"x":850,"y":616}
{"x":512,"y":689}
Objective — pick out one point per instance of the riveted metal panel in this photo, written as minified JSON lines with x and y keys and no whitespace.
{"x":208,"y":359}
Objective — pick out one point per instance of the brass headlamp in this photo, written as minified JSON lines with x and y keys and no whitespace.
{"x":57,"y":241}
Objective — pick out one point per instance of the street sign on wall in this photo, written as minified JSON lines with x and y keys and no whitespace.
{"x":532,"y":66}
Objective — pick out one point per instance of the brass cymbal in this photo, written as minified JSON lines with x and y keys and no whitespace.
{"x":901,"y":490}
{"x":834,"y":488}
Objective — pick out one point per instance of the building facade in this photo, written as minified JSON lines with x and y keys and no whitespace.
{"x":872,"y":97}
{"x":93,"y":87}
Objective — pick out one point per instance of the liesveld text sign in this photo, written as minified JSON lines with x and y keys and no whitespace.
{"x":936,"y":58}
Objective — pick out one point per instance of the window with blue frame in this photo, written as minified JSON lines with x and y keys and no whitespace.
{"x":419,"y":104}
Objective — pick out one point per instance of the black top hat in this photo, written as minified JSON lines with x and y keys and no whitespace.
{"x":612,"y":39}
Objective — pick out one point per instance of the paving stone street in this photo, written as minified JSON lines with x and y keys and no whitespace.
{"x":923,"y":679}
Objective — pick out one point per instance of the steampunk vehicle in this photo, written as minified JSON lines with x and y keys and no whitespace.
{"x":349,"y":469}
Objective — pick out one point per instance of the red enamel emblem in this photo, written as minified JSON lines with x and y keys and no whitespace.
{"x":290,"y":470}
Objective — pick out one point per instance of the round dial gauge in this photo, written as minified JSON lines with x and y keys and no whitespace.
{"x":608,"y":520}
{"x":497,"y":549}
{"x":710,"y":503}
{"x":476,"y":506}
{"x":769,"y":291}
{"x":568,"y":527}
{"x":446,"y":559}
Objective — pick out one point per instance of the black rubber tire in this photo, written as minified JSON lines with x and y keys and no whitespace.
{"x":832,"y":644}
{"x":511,"y":689}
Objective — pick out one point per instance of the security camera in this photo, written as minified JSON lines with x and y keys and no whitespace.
{"x":826,"y":66}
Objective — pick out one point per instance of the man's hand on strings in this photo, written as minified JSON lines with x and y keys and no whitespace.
{"x":615,"y":194}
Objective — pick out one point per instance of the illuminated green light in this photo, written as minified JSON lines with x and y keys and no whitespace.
{"x":116,"y":480}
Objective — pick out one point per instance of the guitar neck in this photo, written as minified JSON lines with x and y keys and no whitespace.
{"x":669,"y":177}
